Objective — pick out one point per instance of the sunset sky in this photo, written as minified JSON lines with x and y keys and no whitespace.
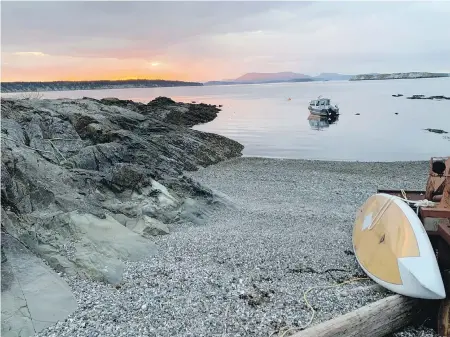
{"x":201,"y":41}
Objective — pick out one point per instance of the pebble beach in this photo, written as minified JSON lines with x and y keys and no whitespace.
{"x":285,"y":227}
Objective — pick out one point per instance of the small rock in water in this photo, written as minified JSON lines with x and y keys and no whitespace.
{"x":439,"y":97}
{"x":436,"y":131}
{"x":416,"y":97}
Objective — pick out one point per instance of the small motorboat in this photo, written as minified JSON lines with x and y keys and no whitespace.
{"x":322,"y":107}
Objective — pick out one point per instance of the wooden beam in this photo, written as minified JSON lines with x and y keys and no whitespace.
{"x":376,"y":319}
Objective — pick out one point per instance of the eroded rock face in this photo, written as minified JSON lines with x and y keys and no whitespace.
{"x":148,"y":226}
{"x":86,"y":183}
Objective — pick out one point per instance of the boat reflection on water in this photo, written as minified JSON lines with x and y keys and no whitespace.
{"x":320,"y":122}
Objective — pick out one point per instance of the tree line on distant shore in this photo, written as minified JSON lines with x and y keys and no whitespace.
{"x":88,"y":85}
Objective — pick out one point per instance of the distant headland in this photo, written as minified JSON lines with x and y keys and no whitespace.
{"x":90,"y":85}
{"x":397,"y":76}
{"x":249,"y":78}
{"x":280,"y":77}
{"x":284,"y":77}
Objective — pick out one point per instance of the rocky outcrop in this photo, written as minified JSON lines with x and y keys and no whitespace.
{"x":436,"y":131}
{"x":440,"y":97}
{"x":87,"y":183}
{"x":396,"y":76}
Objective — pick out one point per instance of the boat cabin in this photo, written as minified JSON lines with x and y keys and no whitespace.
{"x":320,"y":102}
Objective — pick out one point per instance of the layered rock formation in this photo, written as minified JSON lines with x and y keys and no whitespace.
{"x":86,"y":183}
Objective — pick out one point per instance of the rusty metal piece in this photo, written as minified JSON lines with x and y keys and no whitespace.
{"x":432,"y":212}
{"x":445,"y":200}
{"x":444,"y":230}
{"x":444,"y":318}
{"x":432,"y":217}
{"x":443,"y":258}
{"x":439,"y":172}
{"x":437,"y":198}
{"x":410,"y":194}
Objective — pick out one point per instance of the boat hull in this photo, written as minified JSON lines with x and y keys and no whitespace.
{"x":323,"y":111}
{"x":393,"y":248}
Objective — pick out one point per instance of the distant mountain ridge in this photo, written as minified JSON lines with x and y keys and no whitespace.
{"x":332,"y":77}
{"x":259,"y":77}
{"x":285,"y":76}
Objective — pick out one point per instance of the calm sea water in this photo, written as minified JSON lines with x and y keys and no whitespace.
{"x":268,"y":124}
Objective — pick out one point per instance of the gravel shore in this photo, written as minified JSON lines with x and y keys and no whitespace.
{"x":287,"y":228}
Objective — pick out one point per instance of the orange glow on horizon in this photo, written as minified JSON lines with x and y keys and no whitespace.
{"x":32,"y":67}
{"x":37,"y":66}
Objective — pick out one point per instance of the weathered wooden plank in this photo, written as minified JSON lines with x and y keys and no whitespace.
{"x":376,"y":319}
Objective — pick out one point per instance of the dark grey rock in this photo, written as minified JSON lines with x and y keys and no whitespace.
{"x":86,"y":186}
{"x":147,"y":227}
{"x":70,"y":167}
{"x":436,"y":131}
{"x":33,"y":296}
{"x":439,"y":97}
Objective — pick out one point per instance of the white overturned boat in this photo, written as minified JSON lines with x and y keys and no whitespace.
{"x":393,"y":248}
{"x":322,"y":107}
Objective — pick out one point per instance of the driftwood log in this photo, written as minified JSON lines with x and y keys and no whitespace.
{"x":376,"y":319}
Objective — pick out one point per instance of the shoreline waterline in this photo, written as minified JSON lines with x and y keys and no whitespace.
{"x":330,"y":160}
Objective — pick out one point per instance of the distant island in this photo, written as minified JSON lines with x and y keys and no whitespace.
{"x":332,"y":77}
{"x":90,"y":85}
{"x":281,"y":77}
{"x":258,"y":82}
{"x":286,"y":77}
{"x":264,"y":77}
{"x":397,"y":76}
{"x":249,"y":78}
